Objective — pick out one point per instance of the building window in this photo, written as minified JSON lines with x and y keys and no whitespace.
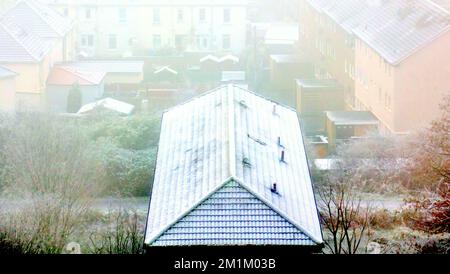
{"x":226,"y":41}
{"x":179,"y":41}
{"x":87,"y":40}
{"x":202,"y":15}
{"x":156,"y":16}
{"x":226,"y":16}
{"x":112,"y":43}
{"x":87,"y":13}
{"x":156,"y":41}
{"x":180,"y":16}
{"x":122,"y":15}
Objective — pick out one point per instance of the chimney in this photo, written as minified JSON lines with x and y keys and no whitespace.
{"x":274,"y":188}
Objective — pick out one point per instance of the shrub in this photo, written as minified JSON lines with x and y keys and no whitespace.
{"x":134,"y":133}
{"x":124,"y":237}
{"x":51,"y":170}
{"x":128,"y":172}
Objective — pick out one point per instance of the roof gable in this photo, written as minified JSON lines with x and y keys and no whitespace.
{"x":231,"y":133}
{"x":235,"y":217}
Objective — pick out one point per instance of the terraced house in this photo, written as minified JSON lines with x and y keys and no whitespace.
{"x":115,"y":28}
{"x":32,"y":39}
{"x":390,"y":56}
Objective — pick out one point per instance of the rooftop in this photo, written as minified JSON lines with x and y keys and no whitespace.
{"x":108,"y":66}
{"x":317,"y":83}
{"x":394,"y":29}
{"x":352,"y":118}
{"x":287,"y":58}
{"x":66,"y":76}
{"x":39,"y":19}
{"x":109,"y":104}
{"x":232,"y":170}
{"x":403,"y":27}
{"x":166,"y":69}
{"x":18,"y":45}
{"x":217,"y":59}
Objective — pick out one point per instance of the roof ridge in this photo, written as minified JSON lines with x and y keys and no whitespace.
{"x":284,"y":216}
{"x":19,"y":42}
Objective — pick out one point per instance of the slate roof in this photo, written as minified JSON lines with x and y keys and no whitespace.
{"x":6,"y":73}
{"x":17,"y":45}
{"x":218,"y":159}
{"x":39,"y":19}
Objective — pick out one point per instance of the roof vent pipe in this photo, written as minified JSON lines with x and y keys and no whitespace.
{"x":279,"y":142}
{"x":283,"y":157}
{"x":274,"y":110}
{"x":274,"y":188}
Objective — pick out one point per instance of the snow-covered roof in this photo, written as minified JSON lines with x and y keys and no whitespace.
{"x":109,"y":104}
{"x":167,"y":69}
{"x":216,"y":59}
{"x":109,"y":66}
{"x":39,"y":19}
{"x":67,"y":76}
{"x":17,"y":45}
{"x":219,"y":157}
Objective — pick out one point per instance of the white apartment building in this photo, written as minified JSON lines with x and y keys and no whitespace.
{"x":118,"y":28}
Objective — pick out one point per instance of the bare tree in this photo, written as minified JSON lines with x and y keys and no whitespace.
{"x":345,"y":218}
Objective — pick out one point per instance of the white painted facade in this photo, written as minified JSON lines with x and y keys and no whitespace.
{"x":113,"y":28}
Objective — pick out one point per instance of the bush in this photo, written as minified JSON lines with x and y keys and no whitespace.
{"x":124,"y":237}
{"x":134,"y":133}
{"x":128,"y":172}
{"x":50,"y":169}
